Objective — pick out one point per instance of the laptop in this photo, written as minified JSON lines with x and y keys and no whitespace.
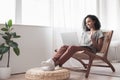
{"x":70,"y":38}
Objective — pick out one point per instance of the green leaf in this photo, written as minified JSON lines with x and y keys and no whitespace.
{"x":17,"y":51}
{"x":3,"y":49}
{"x":6,"y":38}
{"x":6,"y":25}
{"x":10,"y":23}
{"x":4,"y":29}
{"x":15,"y":35}
{"x":13,"y":44}
{"x":7,"y":33}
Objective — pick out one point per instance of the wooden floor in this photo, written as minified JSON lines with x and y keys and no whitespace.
{"x":96,"y":74}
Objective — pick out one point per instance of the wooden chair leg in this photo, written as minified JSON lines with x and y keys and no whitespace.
{"x":84,"y":65}
{"x":109,"y":64}
{"x":89,"y":67}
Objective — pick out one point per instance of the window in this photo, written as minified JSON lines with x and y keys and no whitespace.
{"x":36,"y":12}
{"x":7,"y":10}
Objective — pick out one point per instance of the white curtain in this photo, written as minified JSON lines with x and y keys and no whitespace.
{"x":109,"y":11}
{"x":67,"y":16}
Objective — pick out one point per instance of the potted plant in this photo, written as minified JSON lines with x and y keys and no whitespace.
{"x":9,"y":44}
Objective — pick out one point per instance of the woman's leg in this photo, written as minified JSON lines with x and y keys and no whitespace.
{"x":59,"y":53}
{"x":69,"y":53}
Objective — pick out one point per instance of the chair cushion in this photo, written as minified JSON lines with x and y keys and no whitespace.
{"x":38,"y":74}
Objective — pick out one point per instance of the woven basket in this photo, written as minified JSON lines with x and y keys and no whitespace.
{"x":38,"y":74}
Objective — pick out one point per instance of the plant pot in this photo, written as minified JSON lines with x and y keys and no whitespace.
{"x":5,"y":72}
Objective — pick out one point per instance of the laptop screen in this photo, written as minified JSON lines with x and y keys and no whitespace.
{"x":70,"y":38}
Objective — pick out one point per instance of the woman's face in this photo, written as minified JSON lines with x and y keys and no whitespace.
{"x":90,"y":23}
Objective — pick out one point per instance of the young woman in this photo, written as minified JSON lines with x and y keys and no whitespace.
{"x":91,"y":40}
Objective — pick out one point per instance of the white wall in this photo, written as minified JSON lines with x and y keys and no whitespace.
{"x":35,"y":46}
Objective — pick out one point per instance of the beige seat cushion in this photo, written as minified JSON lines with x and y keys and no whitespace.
{"x":38,"y":74}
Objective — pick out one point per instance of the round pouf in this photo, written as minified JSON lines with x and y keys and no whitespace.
{"x":38,"y":74}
